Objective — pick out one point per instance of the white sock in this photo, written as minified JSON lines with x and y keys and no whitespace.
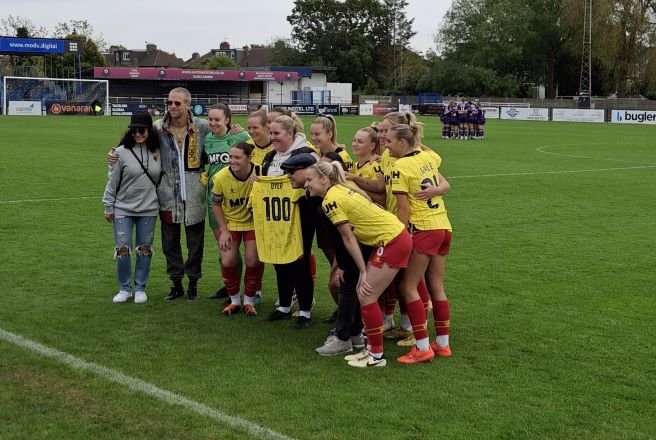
{"x":304,"y":314}
{"x":405,"y":323}
{"x":284,"y":309}
{"x":423,"y":344}
{"x":388,"y":321}
{"x":236,"y":299}
{"x":259,"y":293}
{"x":248,"y":300}
{"x":377,"y":355}
{"x":443,"y":340}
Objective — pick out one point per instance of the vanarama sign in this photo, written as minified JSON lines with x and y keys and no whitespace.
{"x":69,"y":108}
{"x":633,"y":117}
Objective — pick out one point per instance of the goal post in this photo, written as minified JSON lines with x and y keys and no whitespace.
{"x":54,"y":96}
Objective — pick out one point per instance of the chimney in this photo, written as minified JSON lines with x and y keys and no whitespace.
{"x":224,"y":45}
{"x":150,"y":48}
{"x":195,"y":56}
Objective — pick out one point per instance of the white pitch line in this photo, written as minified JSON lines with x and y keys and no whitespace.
{"x":6,"y":202}
{"x":542,"y":150}
{"x":535,"y":173}
{"x":141,"y":386}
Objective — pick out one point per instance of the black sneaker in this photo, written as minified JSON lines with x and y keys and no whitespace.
{"x":302,"y":323}
{"x":332,"y":318}
{"x":221,"y":293}
{"x":175,"y":293}
{"x":192,"y":294}
{"x":277,"y":315}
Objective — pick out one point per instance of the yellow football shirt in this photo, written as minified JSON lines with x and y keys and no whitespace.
{"x":257,"y":156}
{"x":346,"y":158}
{"x":387,"y":163}
{"x":409,"y":175}
{"x":368,"y":170}
{"x":277,"y":220}
{"x":371,"y":224}
{"x":235,"y":195}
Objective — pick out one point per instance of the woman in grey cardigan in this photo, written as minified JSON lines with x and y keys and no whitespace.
{"x":130,"y":201}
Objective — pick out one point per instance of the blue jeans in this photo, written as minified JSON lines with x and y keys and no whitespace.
{"x":123,"y":227}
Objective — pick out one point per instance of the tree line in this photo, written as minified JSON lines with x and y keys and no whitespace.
{"x":504,"y":48}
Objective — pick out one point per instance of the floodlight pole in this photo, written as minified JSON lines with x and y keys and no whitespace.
{"x":585,"y":88}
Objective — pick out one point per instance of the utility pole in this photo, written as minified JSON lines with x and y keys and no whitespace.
{"x":586,"y":58}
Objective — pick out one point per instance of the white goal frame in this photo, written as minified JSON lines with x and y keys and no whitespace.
{"x":74,"y":80}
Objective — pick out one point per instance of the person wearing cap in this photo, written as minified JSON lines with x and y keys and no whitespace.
{"x":288,"y":142}
{"x":344,"y":272}
{"x":131,"y":205}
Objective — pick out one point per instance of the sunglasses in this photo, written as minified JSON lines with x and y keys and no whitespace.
{"x":140,"y":130}
{"x":173,"y":103}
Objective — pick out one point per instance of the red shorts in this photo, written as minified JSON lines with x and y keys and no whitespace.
{"x":433,"y":242}
{"x":395,"y":253}
{"x":247,"y":236}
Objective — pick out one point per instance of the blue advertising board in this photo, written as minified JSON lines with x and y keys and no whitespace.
{"x":11,"y":45}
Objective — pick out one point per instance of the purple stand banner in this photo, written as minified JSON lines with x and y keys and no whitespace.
{"x":174,"y":73}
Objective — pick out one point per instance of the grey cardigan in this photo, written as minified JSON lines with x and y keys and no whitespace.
{"x":129,"y":192}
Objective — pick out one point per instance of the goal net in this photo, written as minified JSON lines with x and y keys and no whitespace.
{"x":54,"y":96}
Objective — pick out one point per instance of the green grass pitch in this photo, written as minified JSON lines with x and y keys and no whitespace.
{"x":550,"y":278}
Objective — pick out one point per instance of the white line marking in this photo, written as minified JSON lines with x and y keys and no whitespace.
{"x":5,"y":202}
{"x":144,"y":387}
{"x":542,"y":150}
{"x":550,"y":172}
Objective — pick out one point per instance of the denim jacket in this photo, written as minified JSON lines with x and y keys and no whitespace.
{"x":181,"y":192}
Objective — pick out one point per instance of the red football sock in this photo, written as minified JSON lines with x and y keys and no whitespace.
{"x":251,"y":280}
{"x":391,"y":295}
{"x":231,"y":279}
{"x":442,"y":318}
{"x":260,"y":276}
{"x":424,"y":295}
{"x":417,"y":316}
{"x":372,"y":318}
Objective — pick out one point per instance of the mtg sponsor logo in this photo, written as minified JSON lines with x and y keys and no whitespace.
{"x":65,"y":108}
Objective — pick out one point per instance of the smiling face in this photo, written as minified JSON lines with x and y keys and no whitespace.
{"x":316,"y":184}
{"x":397,"y":147}
{"x":178,"y":105}
{"x":297,"y":178}
{"x":281,"y":139}
{"x":239,"y":161}
{"x":383,"y":129}
{"x":140,"y":135}
{"x":362,"y":146}
{"x":321,"y":137}
{"x":218,"y":122}
{"x":258,"y":131}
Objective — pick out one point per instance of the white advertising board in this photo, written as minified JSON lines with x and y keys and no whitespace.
{"x":525,"y":114}
{"x":491,"y":112}
{"x":366,"y":109}
{"x":577,"y":115}
{"x":24,"y":108}
{"x":633,"y":117}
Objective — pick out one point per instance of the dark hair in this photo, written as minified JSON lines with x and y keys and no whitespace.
{"x":226,"y":112}
{"x":152,"y":142}
{"x":334,"y":157}
{"x":245,"y":147}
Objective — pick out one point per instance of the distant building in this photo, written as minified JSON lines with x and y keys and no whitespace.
{"x":150,"y":57}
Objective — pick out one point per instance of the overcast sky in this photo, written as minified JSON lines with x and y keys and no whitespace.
{"x":184,"y":27}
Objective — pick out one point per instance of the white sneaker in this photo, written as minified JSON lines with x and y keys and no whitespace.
{"x":122,"y":296}
{"x":140,"y":297}
{"x":369,"y":361}
{"x":357,"y":356}
{"x":335,"y":346}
